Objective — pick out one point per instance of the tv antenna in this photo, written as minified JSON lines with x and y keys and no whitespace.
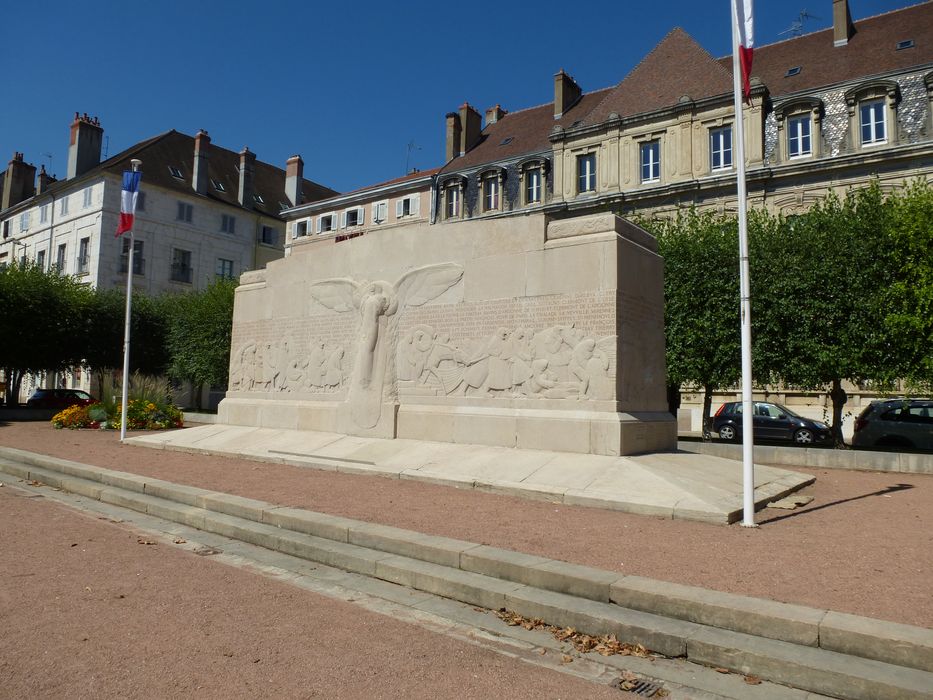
{"x":49,"y":156}
{"x":796,"y":27}
{"x":106,"y":146}
{"x":412,"y":146}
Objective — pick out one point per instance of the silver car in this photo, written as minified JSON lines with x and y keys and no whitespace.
{"x":899,"y":423}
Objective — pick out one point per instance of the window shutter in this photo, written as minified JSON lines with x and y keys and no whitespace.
{"x":375,"y":212}
{"x":318,"y":226}
{"x":360,"y":215}
{"x":399,"y":208}
{"x":343,"y":219}
{"x":415,"y":204}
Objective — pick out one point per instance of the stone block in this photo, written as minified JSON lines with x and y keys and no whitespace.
{"x":125,"y":499}
{"x":330,"y":527}
{"x":336,"y":554}
{"x":573,"y":579}
{"x":130,"y":482}
{"x":415,"y":545}
{"x":237,"y":506}
{"x":500,"y":563}
{"x":189,"y":495}
{"x":904,"y":645}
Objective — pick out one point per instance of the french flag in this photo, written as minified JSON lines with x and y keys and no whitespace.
{"x":128,"y":200}
{"x":746,"y":42}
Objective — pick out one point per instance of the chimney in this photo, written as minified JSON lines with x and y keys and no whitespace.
{"x":453,"y":136}
{"x":202,"y":151}
{"x":247,"y":169}
{"x":566,"y":93}
{"x":494,"y":114}
{"x":43,"y":181}
{"x":471,"y":125}
{"x":87,"y":136}
{"x":294,"y":173}
{"x":19,"y":182}
{"x":843,"y":29}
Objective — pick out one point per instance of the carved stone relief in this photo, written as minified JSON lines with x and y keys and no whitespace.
{"x":557,"y":362}
{"x":278,"y":366}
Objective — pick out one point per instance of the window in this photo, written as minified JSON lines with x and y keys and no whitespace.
{"x":352,"y":217}
{"x":84,"y":256}
{"x":452,"y":195}
{"x":720,"y":148}
{"x":325,"y":223}
{"x":871,"y":122}
{"x":532,"y":185}
{"x":258,"y":199}
{"x":300,"y":230}
{"x":798,"y":136}
{"x":184,"y":212}
{"x":408,"y":206}
{"x":651,"y":161}
{"x":44,"y":214}
{"x":227,"y":223}
{"x":175,"y":172}
{"x":380,"y":212}
{"x":60,"y":258}
{"x":40,"y":259}
{"x":24,"y":221}
{"x":138,"y":260}
{"x":63,"y":207}
{"x":140,"y":201}
{"x":586,"y":173}
{"x":269,"y":236}
{"x":218,"y":185}
{"x":491,"y":193}
{"x":6,"y":228}
{"x":224,"y":269}
{"x":181,"y":265}
{"x":87,"y":197}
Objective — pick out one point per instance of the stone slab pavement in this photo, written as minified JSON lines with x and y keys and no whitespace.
{"x":679,"y":485}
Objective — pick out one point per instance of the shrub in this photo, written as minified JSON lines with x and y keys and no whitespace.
{"x":141,"y":415}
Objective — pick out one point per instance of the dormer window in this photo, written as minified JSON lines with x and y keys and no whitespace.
{"x":906,"y":44}
{"x":218,"y":185}
{"x":799,"y":143}
{"x":452,"y":197}
{"x":873,"y":113}
{"x":586,"y":173}
{"x":872,"y":123}
{"x":532,"y":175}
{"x":176,"y":173}
{"x":507,"y":140}
{"x":800,"y":118}
{"x":490,"y":183}
{"x":791,"y":72}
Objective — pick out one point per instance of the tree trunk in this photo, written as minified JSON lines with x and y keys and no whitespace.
{"x":839,"y":398}
{"x":198,"y":391}
{"x":707,"y":406}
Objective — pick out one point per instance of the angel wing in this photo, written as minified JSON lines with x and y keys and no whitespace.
{"x":608,"y":346}
{"x":336,"y":293}
{"x":423,"y":284}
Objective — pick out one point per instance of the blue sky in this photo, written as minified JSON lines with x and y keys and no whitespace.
{"x":348,"y":85}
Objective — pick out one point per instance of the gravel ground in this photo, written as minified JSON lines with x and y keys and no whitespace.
{"x":863,"y":546}
{"x":86,"y":611}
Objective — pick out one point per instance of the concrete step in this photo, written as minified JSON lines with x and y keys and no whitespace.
{"x":674,"y":621}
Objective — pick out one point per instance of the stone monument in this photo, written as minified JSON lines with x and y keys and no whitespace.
{"x":518,"y":332}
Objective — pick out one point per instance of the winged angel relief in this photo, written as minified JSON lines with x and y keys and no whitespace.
{"x":377,"y":303}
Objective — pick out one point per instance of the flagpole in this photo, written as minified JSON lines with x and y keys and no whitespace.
{"x":126,"y":329}
{"x":748,"y":464}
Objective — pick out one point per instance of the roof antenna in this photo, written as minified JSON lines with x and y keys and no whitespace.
{"x":796,"y":27}
{"x":49,"y":156}
{"x":106,"y":146}
{"x":412,"y":146}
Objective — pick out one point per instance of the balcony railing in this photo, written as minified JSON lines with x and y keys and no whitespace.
{"x":139,"y":264}
{"x":181,"y":273}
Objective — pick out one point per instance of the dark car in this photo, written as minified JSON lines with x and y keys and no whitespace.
{"x":903,"y":423}
{"x":58,"y":398}
{"x":771,"y":421}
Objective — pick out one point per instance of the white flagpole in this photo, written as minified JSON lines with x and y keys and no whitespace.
{"x":748,"y":464}
{"x":126,"y":329}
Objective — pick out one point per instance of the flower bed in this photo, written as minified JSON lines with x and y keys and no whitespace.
{"x":141,"y":415}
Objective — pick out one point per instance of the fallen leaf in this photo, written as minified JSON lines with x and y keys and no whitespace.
{"x":752,"y":680}
{"x":629,"y":676}
{"x":566,"y":659}
{"x":33,"y":482}
{"x":87,"y":588}
{"x":542,"y":652}
{"x":722,"y":670}
{"x":74,"y":544}
{"x":141,"y":540}
{"x":481,"y":610}
{"x":179,"y":540}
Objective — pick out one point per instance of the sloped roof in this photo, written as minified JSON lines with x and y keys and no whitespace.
{"x":677,"y":66}
{"x":395,"y":181}
{"x":870,"y":51}
{"x":176,"y":149}
{"x":520,"y":132}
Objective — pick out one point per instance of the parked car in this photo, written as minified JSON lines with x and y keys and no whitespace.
{"x":904,"y":423}
{"x":58,"y":398}
{"x":771,"y":421}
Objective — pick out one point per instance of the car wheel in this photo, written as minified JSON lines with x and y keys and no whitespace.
{"x":728,"y":432}
{"x":804,"y":436}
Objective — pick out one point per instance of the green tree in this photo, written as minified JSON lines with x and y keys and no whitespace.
{"x":41,"y":323}
{"x":908,"y":300}
{"x":701,"y":301}
{"x":199,"y":330}
{"x":819,"y":279}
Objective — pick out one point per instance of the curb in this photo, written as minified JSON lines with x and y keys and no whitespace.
{"x":817,"y":650}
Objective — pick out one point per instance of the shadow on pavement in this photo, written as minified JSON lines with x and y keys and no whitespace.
{"x":883,"y":492}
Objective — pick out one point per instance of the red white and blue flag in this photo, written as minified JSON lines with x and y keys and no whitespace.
{"x":746,"y":41}
{"x":128,"y":200}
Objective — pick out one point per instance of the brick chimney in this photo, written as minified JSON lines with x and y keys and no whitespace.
{"x":294,"y":173}
{"x":247,"y":170}
{"x":566,"y":93}
{"x":494,"y":114}
{"x":202,"y":152}
{"x":452,"y":149}
{"x":843,"y":29}
{"x":87,"y":137}
{"x":19,"y":182}
{"x":43,"y":180}
{"x":471,"y":126}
